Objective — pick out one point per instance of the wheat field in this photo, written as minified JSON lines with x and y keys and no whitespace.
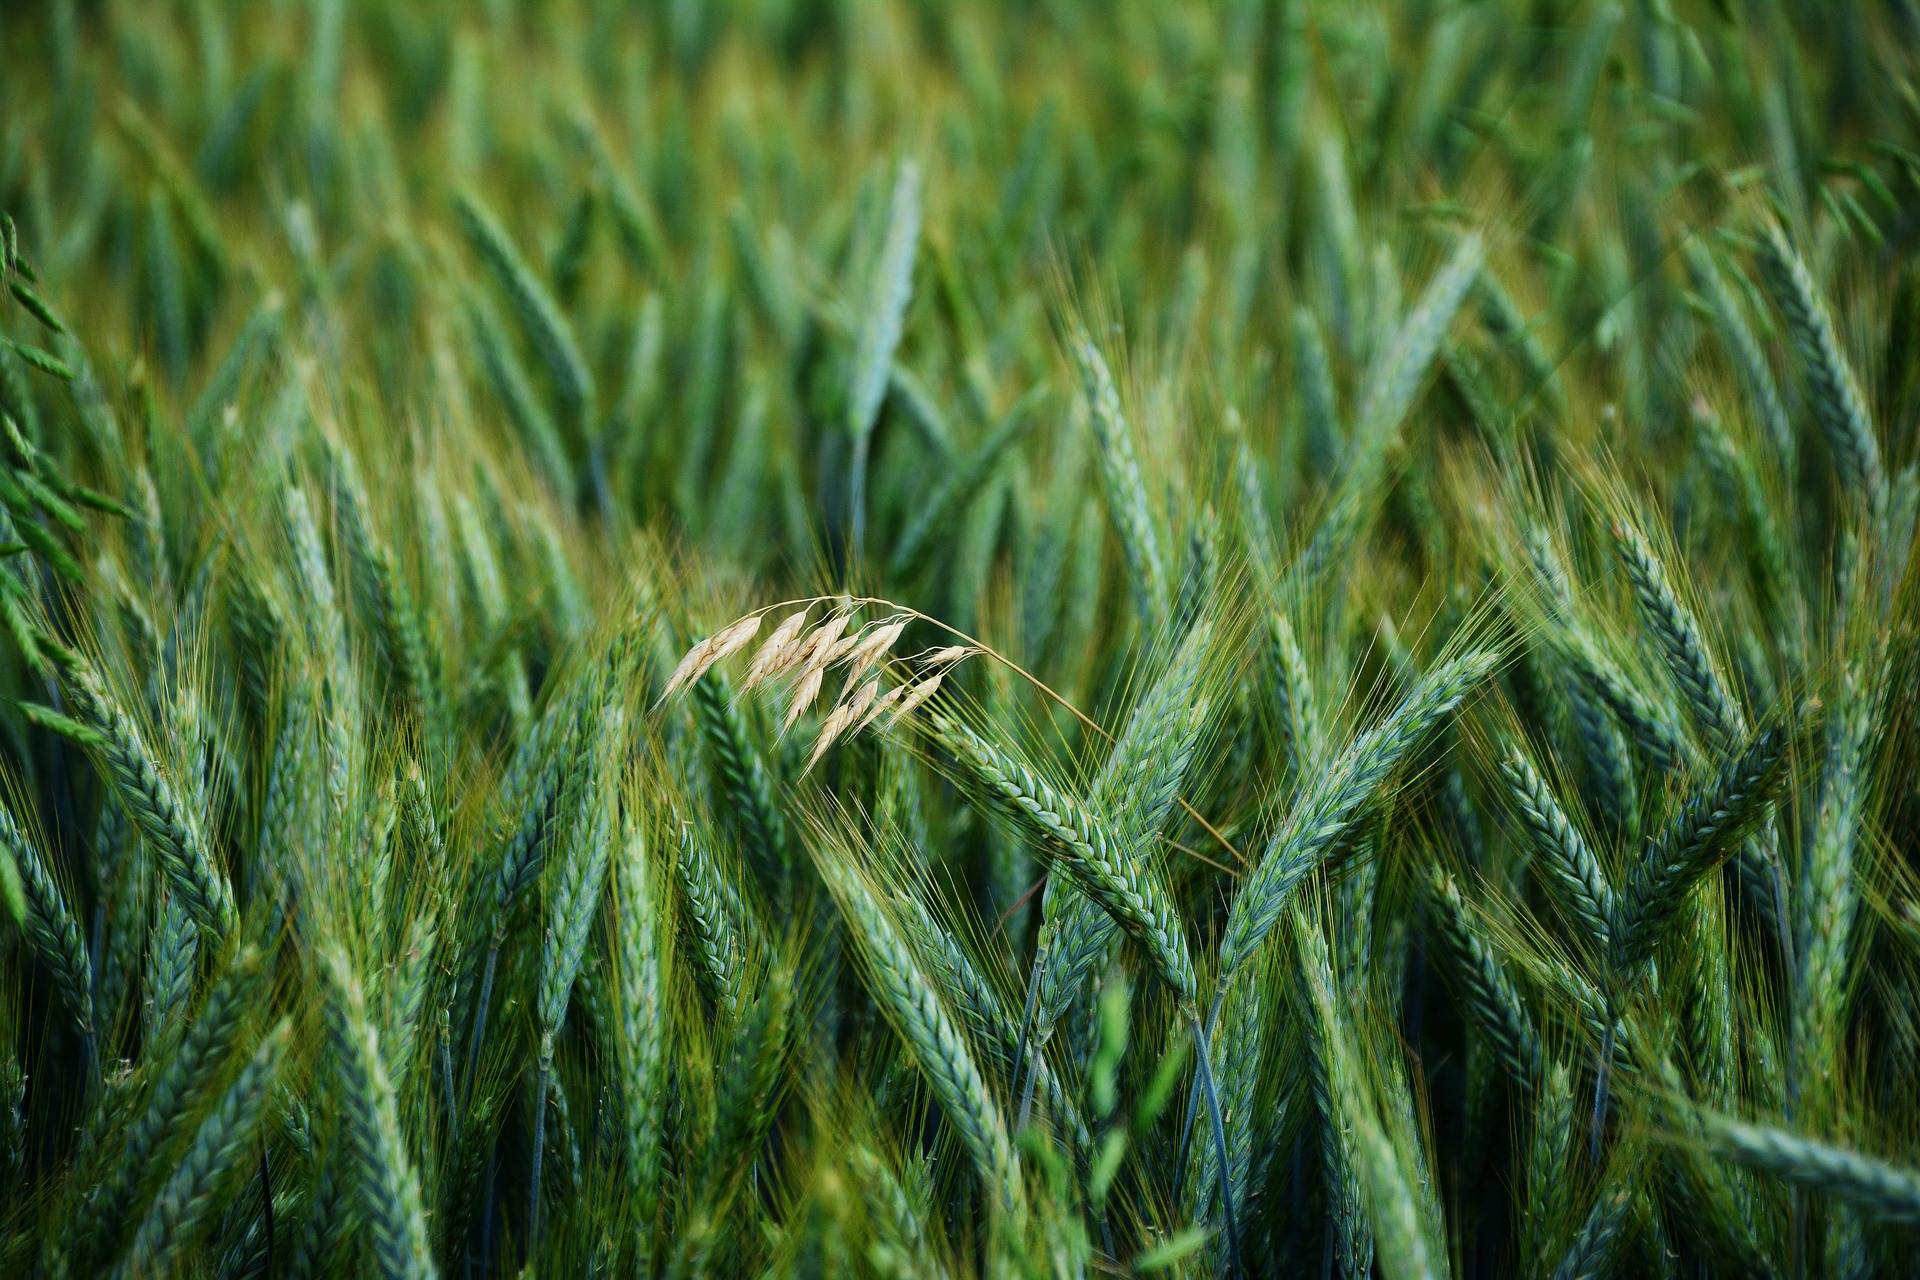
{"x":888,"y":638}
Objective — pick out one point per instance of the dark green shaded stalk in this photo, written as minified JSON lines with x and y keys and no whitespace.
{"x":1492,"y":998}
{"x":1874,"y":1187}
{"x":51,"y":925}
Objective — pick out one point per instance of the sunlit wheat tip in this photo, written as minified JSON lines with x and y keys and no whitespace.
{"x":734,"y":638}
{"x":828,"y":656}
{"x":689,"y":667}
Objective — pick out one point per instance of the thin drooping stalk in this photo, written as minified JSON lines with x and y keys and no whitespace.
{"x":1602,"y":1074}
{"x":1205,"y":1073}
{"x":266,"y":1202}
{"x":1021,"y":1066}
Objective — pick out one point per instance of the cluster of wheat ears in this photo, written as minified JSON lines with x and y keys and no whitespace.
{"x":1344,"y":695}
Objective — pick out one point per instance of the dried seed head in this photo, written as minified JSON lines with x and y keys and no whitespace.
{"x":921,"y":692}
{"x":858,"y":704}
{"x":833,"y":727}
{"x":780,"y":649}
{"x":873,"y":646}
{"x":707,"y":652}
{"x":952,"y":653}
{"x":804,"y":692}
{"x":817,"y":649}
{"x":734,"y":638}
{"x":881,"y":705}
{"x":689,"y":667}
{"x":826,"y":657}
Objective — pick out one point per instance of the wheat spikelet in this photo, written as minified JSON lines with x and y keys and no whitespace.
{"x":573,"y":902}
{"x":968,"y":993}
{"x":189,"y":1197}
{"x":1132,"y":895}
{"x":1714,"y":822}
{"x":1126,"y":489}
{"x":916,"y":696}
{"x":50,"y":923}
{"x":1323,"y":813}
{"x":1403,"y":366}
{"x":743,"y":775}
{"x":881,"y":705}
{"x":873,"y":645}
{"x":1745,"y":352}
{"x":1736,"y":474}
{"x":817,"y":650}
{"x":1589,"y":1254}
{"x":1296,"y":714}
{"x":1673,"y":625}
{"x":398,"y":623}
{"x":1491,"y":996}
{"x":539,"y":317}
{"x":717,"y":930}
{"x":1643,"y":720}
{"x":706,"y":653}
{"x":187,"y":1064}
{"x":1837,"y":403}
{"x":388,"y":1191}
{"x":748,"y":1089}
{"x":776,"y":653}
{"x":919,"y":538}
{"x":1504,"y":319}
{"x":149,"y":795}
{"x":173,"y":954}
{"x":880,"y":330}
{"x":1828,"y":890}
{"x":1573,"y":872}
{"x":1331,"y":1090}
{"x":642,"y":977}
{"x":515,"y":389}
{"x":1549,"y":1147}
{"x":404,"y":994}
{"x":1138,"y":783}
{"x":1874,"y":1187}
{"x":914,"y":1005}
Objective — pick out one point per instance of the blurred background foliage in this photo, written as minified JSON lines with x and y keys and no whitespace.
{"x":395,"y":390}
